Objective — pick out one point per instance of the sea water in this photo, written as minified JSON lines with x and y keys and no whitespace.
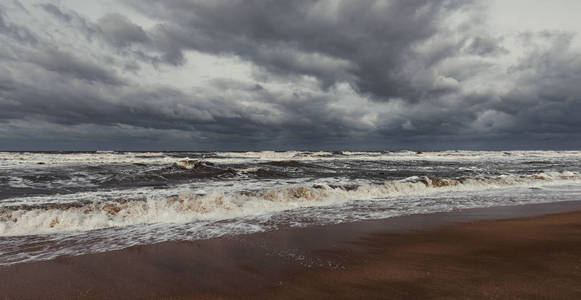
{"x":57,"y":203}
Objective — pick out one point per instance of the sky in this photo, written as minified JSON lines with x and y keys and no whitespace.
{"x":279,"y":75}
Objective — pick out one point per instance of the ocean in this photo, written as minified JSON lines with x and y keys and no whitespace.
{"x":73,"y":203}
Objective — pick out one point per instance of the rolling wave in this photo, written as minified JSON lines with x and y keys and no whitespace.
{"x":220,"y":204}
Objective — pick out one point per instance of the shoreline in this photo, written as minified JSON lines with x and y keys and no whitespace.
{"x":478,"y":253}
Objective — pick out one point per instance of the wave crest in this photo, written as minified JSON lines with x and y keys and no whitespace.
{"x":218,"y":204}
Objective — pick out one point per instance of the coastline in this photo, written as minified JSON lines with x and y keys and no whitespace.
{"x":506,"y":252}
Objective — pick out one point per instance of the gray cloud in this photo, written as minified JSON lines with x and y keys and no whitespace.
{"x":366,"y":42}
{"x":68,"y":17}
{"x":485,"y":46}
{"x":121,"y":31}
{"x":324,"y":74}
{"x":66,"y":63}
{"x":19,"y":33}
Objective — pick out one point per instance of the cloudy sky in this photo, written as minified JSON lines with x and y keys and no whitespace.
{"x":266,"y":74}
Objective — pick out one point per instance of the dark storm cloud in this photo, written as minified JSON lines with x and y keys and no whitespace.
{"x":73,"y":89}
{"x":121,"y":31}
{"x":358,"y":74}
{"x":547,"y":94}
{"x":70,"y":65}
{"x":368,"y":43}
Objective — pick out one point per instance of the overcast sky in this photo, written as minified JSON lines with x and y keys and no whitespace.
{"x":252,"y":75}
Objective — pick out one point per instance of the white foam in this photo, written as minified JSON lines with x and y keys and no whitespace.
{"x":11,"y":160}
{"x":455,"y":155}
{"x":220,"y":203}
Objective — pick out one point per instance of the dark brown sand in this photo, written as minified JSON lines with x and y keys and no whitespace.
{"x":471,"y":254}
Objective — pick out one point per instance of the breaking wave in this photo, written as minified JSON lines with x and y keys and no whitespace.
{"x":219,"y":204}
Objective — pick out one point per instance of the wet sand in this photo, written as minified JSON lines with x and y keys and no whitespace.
{"x":531,"y":251}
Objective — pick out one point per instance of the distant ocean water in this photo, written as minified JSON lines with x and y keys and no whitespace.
{"x":73,"y":203}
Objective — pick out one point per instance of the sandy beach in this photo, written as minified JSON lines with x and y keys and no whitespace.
{"x":531,"y":251}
